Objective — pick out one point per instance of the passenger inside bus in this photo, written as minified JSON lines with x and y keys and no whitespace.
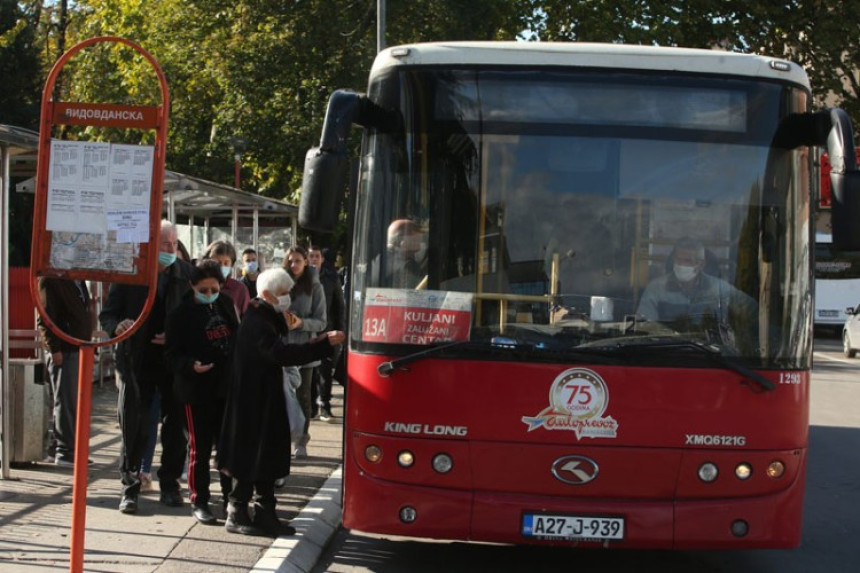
{"x":688,"y":298}
{"x":406,"y":255}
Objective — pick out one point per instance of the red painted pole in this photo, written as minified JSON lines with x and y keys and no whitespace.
{"x":82,"y":455}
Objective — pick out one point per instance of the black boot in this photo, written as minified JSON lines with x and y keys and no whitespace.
{"x":266,"y":519}
{"x":238,"y":520}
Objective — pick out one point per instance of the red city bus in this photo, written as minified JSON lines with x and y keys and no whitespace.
{"x":528,"y":362}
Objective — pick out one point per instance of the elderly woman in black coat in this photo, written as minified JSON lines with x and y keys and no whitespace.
{"x":255,"y":439}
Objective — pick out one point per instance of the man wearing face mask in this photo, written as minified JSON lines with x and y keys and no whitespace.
{"x":142,"y":370}
{"x":407,"y":250}
{"x":689,"y":295}
{"x":250,"y":271}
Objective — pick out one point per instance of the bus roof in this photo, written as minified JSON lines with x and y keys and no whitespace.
{"x":574,"y":54}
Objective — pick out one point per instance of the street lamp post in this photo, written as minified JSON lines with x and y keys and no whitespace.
{"x":239,"y":145}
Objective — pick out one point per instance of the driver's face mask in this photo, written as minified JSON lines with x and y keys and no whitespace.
{"x":685,"y":273}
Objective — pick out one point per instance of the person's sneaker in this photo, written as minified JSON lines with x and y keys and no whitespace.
{"x":66,"y":461}
{"x":203,"y":514}
{"x":280,"y":482}
{"x":327,"y":416}
{"x":146,"y":481}
{"x":301,"y":452}
{"x":128,"y":503}
{"x":171,"y":498}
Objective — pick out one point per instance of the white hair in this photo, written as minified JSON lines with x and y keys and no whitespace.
{"x":167,"y":226}
{"x":274,"y":280}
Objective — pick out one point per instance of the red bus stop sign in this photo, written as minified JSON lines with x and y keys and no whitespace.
{"x":96,"y":217}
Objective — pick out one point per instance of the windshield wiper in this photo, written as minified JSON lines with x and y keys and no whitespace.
{"x":386,"y":368}
{"x":709,"y":351}
{"x":509,"y":348}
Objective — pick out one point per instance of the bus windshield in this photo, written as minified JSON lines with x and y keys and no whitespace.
{"x":566,"y":210}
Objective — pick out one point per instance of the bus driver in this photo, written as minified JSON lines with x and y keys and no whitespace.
{"x":689,"y":295}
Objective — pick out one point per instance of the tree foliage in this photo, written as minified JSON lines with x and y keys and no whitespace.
{"x":262,"y":70}
{"x":19,"y":68}
{"x":823,"y":37}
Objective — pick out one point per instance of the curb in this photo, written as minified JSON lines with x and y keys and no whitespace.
{"x":315,"y":525}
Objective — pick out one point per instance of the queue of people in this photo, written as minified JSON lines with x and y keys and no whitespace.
{"x":208,"y":364}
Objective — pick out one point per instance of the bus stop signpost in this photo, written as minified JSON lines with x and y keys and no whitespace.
{"x":96,"y":217}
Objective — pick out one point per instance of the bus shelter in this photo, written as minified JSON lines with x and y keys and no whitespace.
{"x":18,"y":148}
{"x":205,"y":211}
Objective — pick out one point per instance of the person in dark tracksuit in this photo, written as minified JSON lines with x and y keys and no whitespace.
{"x":141,"y":368}
{"x":198,"y":346}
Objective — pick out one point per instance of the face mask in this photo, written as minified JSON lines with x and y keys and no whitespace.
{"x":421,"y":252}
{"x":251,"y":267}
{"x":226,"y":271}
{"x":684,"y":273}
{"x":204,"y":298}
{"x":283,"y":303}
{"x":166,"y":259}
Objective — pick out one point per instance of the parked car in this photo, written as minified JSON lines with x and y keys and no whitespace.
{"x":851,"y":332}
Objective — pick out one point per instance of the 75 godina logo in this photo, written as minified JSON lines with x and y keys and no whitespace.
{"x":578,"y":399}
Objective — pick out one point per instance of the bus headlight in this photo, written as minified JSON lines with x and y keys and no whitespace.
{"x":708,"y":472}
{"x":373,"y":453}
{"x":442,"y":463}
{"x":743,"y":471}
{"x":776,"y":469}
{"x":405,"y":459}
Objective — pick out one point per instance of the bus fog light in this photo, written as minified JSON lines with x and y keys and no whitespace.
{"x":776,"y":469}
{"x":743,"y":471}
{"x":442,"y":463}
{"x":740,"y":528}
{"x":405,"y":459}
{"x":408,"y":514}
{"x":373,"y":453}
{"x":708,"y":472}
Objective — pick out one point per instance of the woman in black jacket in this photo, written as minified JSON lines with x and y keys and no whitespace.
{"x":199,"y":339}
{"x":255,"y":442}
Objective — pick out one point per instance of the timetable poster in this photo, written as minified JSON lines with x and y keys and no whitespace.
{"x":96,"y":187}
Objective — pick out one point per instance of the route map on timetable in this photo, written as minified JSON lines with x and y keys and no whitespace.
{"x":92,"y":251}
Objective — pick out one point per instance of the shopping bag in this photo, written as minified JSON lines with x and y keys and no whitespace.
{"x":292,"y":380}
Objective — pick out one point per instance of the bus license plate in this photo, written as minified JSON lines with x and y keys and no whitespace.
{"x":573,"y":527}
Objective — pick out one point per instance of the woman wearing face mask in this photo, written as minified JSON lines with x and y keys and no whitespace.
{"x":199,"y":337}
{"x":308,"y":310}
{"x":255,"y":442}
{"x":225,"y":254}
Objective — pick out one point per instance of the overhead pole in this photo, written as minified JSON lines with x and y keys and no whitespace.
{"x":380,"y":25}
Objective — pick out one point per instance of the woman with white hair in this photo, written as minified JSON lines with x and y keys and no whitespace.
{"x":255,"y":439}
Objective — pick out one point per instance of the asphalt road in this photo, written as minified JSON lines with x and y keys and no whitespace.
{"x":831,"y":528}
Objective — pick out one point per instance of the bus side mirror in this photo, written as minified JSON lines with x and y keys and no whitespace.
{"x":845,"y":213}
{"x":323,"y":185}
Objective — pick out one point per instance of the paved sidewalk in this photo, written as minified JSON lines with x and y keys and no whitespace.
{"x":35,"y":513}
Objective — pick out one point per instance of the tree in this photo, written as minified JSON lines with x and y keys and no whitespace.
{"x":823,"y":37}
{"x":19,"y":68}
